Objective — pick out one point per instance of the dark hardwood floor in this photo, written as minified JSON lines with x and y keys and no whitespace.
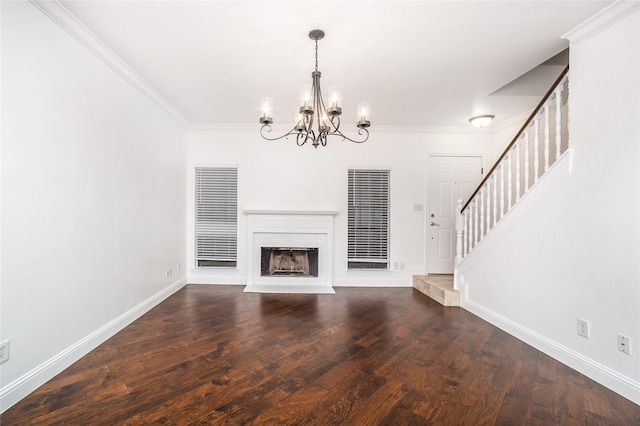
{"x":215,"y":355}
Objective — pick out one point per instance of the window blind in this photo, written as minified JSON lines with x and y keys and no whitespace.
{"x":368,"y":219}
{"x":216,"y":221}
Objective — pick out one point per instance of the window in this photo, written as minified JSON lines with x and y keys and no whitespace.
{"x":368,"y":219}
{"x":216,"y":226}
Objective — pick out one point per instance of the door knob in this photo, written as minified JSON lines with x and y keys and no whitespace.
{"x":434,"y":224}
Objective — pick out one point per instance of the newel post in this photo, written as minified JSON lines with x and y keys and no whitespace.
{"x":459,"y":231}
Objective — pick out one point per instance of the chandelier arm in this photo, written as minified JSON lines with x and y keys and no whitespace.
{"x":305,"y":123}
{"x":335,"y":126}
{"x":268,"y":130}
{"x":301,"y":139}
{"x":360,"y":132}
{"x":309,"y":136}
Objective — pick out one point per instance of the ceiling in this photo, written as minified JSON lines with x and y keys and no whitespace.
{"x":417,"y":63}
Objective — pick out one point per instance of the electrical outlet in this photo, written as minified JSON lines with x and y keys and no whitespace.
{"x":624,"y":344}
{"x":583,"y":328}
{"x":4,"y":351}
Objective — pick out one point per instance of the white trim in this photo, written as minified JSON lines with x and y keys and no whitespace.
{"x":602,"y":374}
{"x":282,"y":128}
{"x":372,"y":282}
{"x":601,"y":21}
{"x":304,"y":289}
{"x":72,"y":25}
{"x":291,"y":212}
{"x":27,"y":383}
{"x":216,"y":276}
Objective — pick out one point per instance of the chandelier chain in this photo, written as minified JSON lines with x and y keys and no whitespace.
{"x":316,"y":55}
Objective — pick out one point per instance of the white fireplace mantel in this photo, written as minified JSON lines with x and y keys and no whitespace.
{"x":291,"y":212}
{"x":288,"y":228}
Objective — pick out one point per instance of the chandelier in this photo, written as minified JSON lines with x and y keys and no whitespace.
{"x":313,"y":111}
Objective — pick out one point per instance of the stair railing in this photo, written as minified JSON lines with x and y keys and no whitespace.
{"x":538,"y":145}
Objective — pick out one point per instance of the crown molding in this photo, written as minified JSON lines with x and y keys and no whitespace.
{"x":601,"y":20}
{"x":281,"y":128}
{"x":72,"y":25}
{"x":430,"y":129}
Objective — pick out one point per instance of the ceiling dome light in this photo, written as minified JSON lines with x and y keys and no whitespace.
{"x":481,"y":120}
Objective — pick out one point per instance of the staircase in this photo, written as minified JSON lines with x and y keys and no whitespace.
{"x":539,"y":145}
{"x":438,"y":287}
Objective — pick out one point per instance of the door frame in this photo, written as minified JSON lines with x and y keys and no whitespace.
{"x":427,"y":199}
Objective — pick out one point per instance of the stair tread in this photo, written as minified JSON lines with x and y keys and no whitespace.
{"x":438,"y":287}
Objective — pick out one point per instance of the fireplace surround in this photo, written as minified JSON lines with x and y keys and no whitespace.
{"x":289,"y":251}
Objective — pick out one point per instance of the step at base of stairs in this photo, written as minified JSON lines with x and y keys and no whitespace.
{"x":438,"y":287}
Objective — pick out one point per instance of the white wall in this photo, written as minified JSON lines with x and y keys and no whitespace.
{"x":93,"y":200}
{"x":576,"y":254}
{"x":279,"y":175}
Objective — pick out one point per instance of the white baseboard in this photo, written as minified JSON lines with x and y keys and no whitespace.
{"x":602,"y":374}
{"x":232,"y":277}
{"x":274,"y":288}
{"x":27,"y":383}
{"x":372,"y":283}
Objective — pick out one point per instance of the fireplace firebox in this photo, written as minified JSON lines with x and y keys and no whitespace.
{"x":289,"y":261}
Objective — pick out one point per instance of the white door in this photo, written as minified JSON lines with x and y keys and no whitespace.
{"x":450,"y":178}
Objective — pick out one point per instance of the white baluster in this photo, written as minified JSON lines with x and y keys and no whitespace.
{"x":536,"y":150}
{"x":547,"y":135}
{"x":558,"y":120}
{"x":459,"y":230}
{"x":470,"y":227}
{"x":518,"y":169}
{"x":527,"y":172}
{"x":465,"y":237}
{"x":475,"y":222}
{"x":501,"y":190}
{"x":488,"y":215}
{"x":470,"y":233}
{"x":495,"y":199}
{"x":481,"y":196}
{"x":509,"y":182}
{"x":471,"y":224}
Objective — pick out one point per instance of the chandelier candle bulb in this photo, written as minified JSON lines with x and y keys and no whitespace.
{"x":305,"y":100}
{"x":363,"y":115}
{"x":334,"y":96}
{"x":335,"y":101}
{"x":299,"y":120}
{"x":324,"y":124}
{"x":267,"y":108}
